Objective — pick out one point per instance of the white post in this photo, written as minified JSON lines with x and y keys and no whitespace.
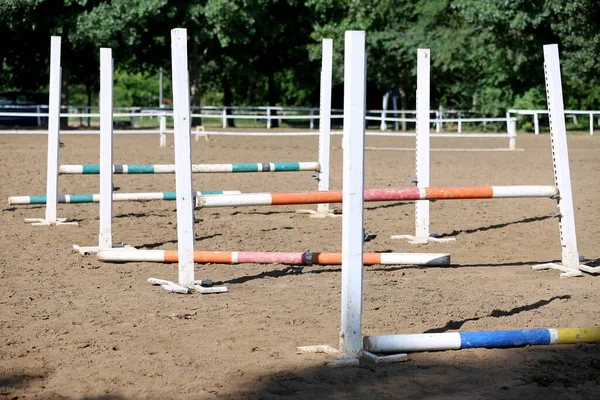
{"x":163,"y":129}
{"x":224,"y":117}
{"x":268,"y":118}
{"x":536,"y":123}
{"x":353,"y":197}
{"x":422,"y":143}
{"x":384,"y":106}
{"x":395,"y":107}
{"x":591,"y":124}
{"x":53,"y":130}
{"x":106,"y":149}
{"x":512,"y":133}
{"x":183,"y":157}
{"x":162,"y":118}
{"x":438,"y":123}
{"x":53,"y":140}
{"x":39,"y":118}
{"x":560,"y":158}
{"x":160,"y":87}
{"x":325,"y":121}
{"x":312,"y":120}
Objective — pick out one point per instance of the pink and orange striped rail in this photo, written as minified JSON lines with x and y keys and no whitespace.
{"x":253,"y":257}
{"x":410,"y":194}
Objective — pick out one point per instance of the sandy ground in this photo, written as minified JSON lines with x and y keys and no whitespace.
{"x":74,"y":327}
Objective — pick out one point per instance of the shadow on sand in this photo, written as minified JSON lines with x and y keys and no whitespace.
{"x":542,"y":372}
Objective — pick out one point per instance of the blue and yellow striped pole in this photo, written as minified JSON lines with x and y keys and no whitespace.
{"x":470,"y":340}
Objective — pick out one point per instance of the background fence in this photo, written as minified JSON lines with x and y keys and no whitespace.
{"x":146,"y":119}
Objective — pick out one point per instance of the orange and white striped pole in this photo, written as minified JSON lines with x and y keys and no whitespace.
{"x":261,"y":257}
{"x":372,"y":195}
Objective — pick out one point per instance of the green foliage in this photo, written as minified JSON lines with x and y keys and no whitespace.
{"x":486,"y":55}
{"x":136,"y":89}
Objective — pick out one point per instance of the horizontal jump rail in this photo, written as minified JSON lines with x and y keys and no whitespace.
{"x":431,"y":193}
{"x":243,"y":257}
{"x":95,"y":198}
{"x":196,"y":168}
{"x":468,"y":340}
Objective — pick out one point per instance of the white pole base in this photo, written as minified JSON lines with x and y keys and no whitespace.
{"x":317,"y":214}
{"x":567,"y":272}
{"x":342,"y":359}
{"x":85,"y":250}
{"x":388,"y":359}
{"x":88,"y":250}
{"x":590,"y":270}
{"x":209,"y":290}
{"x":175,"y":288}
{"x":43,"y":222}
{"x":346,"y":361}
{"x":420,"y":240}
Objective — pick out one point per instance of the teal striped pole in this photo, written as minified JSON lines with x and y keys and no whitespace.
{"x":93,"y":169}
{"x":95,"y":198}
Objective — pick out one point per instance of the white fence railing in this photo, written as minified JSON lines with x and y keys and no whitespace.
{"x":568,"y":114}
{"x":267,"y":114}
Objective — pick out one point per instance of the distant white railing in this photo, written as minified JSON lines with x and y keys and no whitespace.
{"x":568,"y":114}
{"x":268,"y":114}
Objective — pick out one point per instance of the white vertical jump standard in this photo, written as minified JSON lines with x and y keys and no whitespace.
{"x":422,"y":156}
{"x":562,"y":175}
{"x":324,"y":128}
{"x":353,"y":197}
{"x":183,"y":157}
{"x":325,"y":122}
{"x":183,"y":171}
{"x":106,"y":147}
{"x":353,"y":206}
{"x":53,"y":140}
{"x":106,"y":156}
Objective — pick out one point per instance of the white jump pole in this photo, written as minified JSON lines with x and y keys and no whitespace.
{"x":106,"y":148}
{"x":183,"y":172}
{"x":351,"y":347}
{"x":325,"y":121}
{"x":384,"y":107}
{"x":422,"y":143}
{"x":512,"y":134}
{"x":162,"y":118}
{"x":353,"y":202}
{"x":353,"y":198}
{"x":53,"y":140}
{"x":324,"y":129}
{"x":562,"y":175}
{"x":106,"y":156}
{"x":163,"y":129}
{"x":422,"y":156}
{"x":183,"y":157}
